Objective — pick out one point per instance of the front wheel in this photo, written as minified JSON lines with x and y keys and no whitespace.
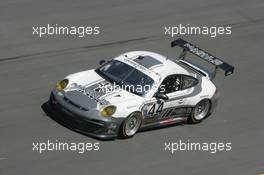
{"x":200,"y":111}
{"x":131,"y":125}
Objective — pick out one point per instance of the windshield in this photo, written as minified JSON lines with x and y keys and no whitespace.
{"x":126,"y":76}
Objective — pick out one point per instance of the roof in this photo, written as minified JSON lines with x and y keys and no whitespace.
{"x":157,"y":63}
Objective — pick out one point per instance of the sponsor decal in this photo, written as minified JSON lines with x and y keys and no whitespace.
{"x":136,"y":65}
{"x":91,"y":93}
{"x":203,"y":54}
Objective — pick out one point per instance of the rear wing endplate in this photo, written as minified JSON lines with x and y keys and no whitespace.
{"x":218,"y":63}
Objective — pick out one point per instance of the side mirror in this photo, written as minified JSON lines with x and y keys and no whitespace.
{"x":161,"y":96}
{"x":101,"y":62}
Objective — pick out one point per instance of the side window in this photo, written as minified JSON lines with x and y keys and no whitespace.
{"x":172,"y":83}
{"x":188,"y":81}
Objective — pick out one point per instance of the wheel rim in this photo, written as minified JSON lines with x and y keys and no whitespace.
{"x":132,"y":125}
{"x":201,"y":110}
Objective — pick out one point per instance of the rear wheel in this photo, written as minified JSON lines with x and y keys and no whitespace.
{"x":200,"y":111}
{"x":131,"y":125}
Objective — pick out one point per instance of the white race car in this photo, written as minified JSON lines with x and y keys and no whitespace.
{"x":137,"y":90}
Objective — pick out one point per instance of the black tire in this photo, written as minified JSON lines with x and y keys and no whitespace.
{"x":130,"y":125}
{"x":200,"y":111}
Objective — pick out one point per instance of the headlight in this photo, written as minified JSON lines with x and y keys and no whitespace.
{"x":62,"y":84}
{"x":108,"y":111}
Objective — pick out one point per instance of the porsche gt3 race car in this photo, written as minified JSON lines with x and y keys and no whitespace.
{"x":138,"y":90}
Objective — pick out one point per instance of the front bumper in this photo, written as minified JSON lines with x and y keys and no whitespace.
{"x":87,"y":122}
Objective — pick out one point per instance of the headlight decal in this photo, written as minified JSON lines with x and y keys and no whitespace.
{"x":108,"y":111}
{"x":62,"y":84}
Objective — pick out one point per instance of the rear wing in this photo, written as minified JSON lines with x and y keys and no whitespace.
{"x":188,"y":47}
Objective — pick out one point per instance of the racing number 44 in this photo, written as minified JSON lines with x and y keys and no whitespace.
{"x":153,"y":108}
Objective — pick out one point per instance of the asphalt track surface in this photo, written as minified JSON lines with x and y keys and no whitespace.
{"x":30,"y":66}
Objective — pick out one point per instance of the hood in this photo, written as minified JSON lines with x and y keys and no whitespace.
{"x":89,"y":90}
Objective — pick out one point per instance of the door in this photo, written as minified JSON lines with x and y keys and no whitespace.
{"x":159,"y":109}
